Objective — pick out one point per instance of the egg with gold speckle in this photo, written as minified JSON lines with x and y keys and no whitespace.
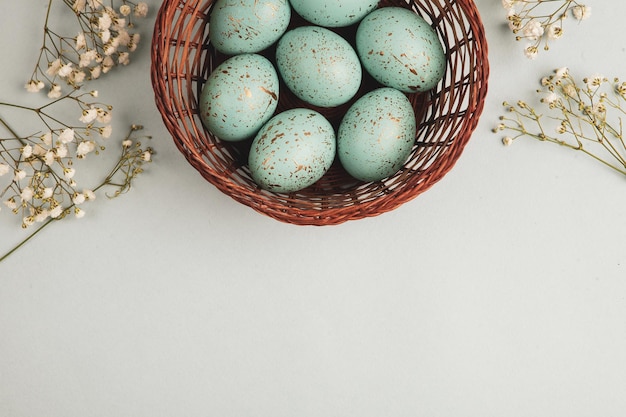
{"x":239,"y":96}
{"x":292,"y":151}
{"x":333,"y":13}
{"x":318,"y":66}
{"x":247,"y":26}
{"x":376,"y":135}
{"x":400,"y":49}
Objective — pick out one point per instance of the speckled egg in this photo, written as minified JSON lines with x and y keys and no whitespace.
{"x":399,"y":49}
{"x":376,"y":135}
{"x":292,"y":151}
{"x":333,"y":13}
{"x":319,"y":66}
{"x":240,"y":95}
{"x":247,"y":26}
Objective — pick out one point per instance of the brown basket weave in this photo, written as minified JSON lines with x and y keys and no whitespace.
{"x":182,"y":59}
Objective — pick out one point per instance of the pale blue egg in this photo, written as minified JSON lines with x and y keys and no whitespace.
{"x":376,"y":135}
{"x":240,"y":95}
{"x":247,"y":26}
{"x":292,"y":151}
{"x":319,"y":66}
{"x":333,"y":13}
{"x":400,"y":49}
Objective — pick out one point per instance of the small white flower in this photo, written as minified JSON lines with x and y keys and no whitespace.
{"x":27,"y":194}
{"x":94,"y":93}
{"x":123,"y":58}
{"x":119,"y":23}
{"x":4,"y":169}
{"x":507,"y":141}
{"x":28,"y":221}
{"x":531,"y":52}
{"x":533,"y":30}
{"x":104,"y":22}
{"x":20,"y":174}
{"x":107,"y":64}
{"x":561,"y":72}
{"x":34,"y":86}
{"x":89,"y":195}
{"x":123,"y":37}
{"x":581,"y":12}
{"x":125,"y":10}
{"x":104,"y":116}
{"x":10,"y":203}
{"x":127,"y":143}
{"x":555,"y":31}
{"x":55,"y":91}
{"x":78,"y":198}
{"x":569,"y":90}
{"x":46,"y":138}
{"x":48,"y":158}
{"x":81,"y":41}
{"x":141,"y":9}
{"x":95,"y":4}
{"x":105,"y":36}
{"x":551,"y":99}
{"x":106,"y":131}
{"x":69,"y":173}
{"x":67,"y":135}
{"x":41,"y":216}
{"x":89,"y":115}
{"x":65,"y":70}
{"x":77,"y":77}
{"x":87,"y":57}
{"x":47,"y":193}
{"x":54,"y":67}
{"x":85,"y":147}
{"x":95,"y":72}
{"x":61,"y":151}
{"x":56,"y":211}
{"x":146,"y":156}
{"x":27,"y":151}
{"x":79,"y":213}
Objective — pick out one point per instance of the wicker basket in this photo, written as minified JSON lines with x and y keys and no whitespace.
{"x":182,"y":59}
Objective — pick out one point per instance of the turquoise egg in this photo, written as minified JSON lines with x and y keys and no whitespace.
{"x":240,"y":95}
{"x":319,"y":66}
{"x":292,"y":151}
{"x":376,"y":135}
{"x":333,"y":13}
{"x":400,"y":49}
{"x":247,"y":26}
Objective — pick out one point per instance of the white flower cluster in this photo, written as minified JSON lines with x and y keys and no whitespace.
{"x":106,"y":43}
{"x":43,"y":174}
{"x":540,"y":21}
{"x":38,"y":171}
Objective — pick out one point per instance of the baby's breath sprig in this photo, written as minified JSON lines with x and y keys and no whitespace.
{"x":541,"y":21}
{"x":584,"y":116}
{"x":42,"y":162}
{"x":103,"y":41}
{"x":133,"y":157}
{"x":38,"y":179}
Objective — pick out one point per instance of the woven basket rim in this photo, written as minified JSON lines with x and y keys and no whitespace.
{"x":175,"y":99}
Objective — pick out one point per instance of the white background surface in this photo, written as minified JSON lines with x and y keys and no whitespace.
{"x":499,"y":292}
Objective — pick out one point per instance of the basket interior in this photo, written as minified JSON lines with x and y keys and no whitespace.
{"x":183,"y":58}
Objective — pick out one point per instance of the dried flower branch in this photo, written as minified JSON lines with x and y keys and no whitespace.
{"x":129,"y":164}
{"x":541,"y":21}
{"x":585,"y":117}
{"x":38,"y":178}
{"x":102,"y":41}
